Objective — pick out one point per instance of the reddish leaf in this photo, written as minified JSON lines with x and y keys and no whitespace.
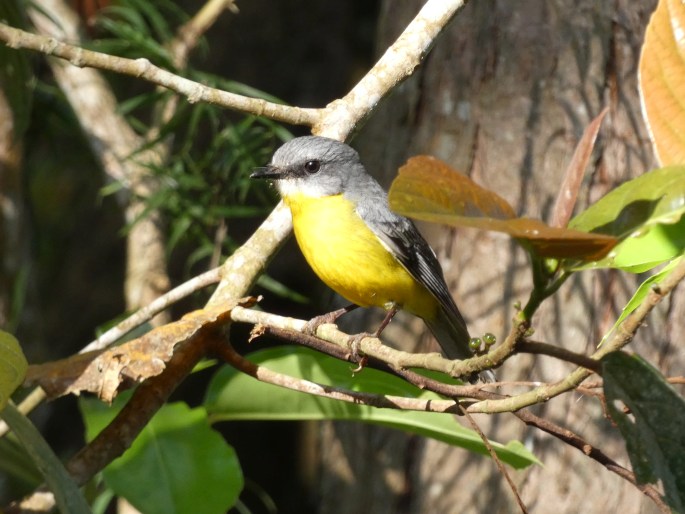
{"x":568,"y":194}
{"x":428,"y":189}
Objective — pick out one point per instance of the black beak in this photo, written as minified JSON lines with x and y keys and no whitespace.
{"x":268,"y":172}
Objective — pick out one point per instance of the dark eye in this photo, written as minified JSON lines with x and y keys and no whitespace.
{"x":312,"y":166}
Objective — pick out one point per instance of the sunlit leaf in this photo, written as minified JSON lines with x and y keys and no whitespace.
{"x":645,"y":213}
{"x":662,"y":81}
{"x":235,"y":396}
{"x":13,"y":366}
{"x":642,"y":293}
{"x":653,"y":431}
{"x":177,"y":465}
{"x":428,"y":189}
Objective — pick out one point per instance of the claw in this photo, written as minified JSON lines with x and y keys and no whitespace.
{"x":330,"y":317}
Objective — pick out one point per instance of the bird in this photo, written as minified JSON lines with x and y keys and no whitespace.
{"x":361,"y":249}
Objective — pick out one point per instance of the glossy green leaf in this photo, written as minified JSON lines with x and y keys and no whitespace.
{"x":235,"y":396}
{"x":13,"y":366}
{"x":653,"y":430}
{"x":17,"y":467}
{"x":642,"y":293}
{"x":429,"y":190}
{"x":645,"y":213}
{"x":178,"y":464}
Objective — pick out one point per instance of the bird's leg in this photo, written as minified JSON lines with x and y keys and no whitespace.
{"x":386,"y":321}
{"x":330,"y":317}
{"x":354,"y":341}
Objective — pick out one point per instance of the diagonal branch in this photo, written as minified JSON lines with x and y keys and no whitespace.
{"x":574,"y":440}
{"x":144,"y":69}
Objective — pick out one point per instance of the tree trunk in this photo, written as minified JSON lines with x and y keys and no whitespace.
{"x":504,"y":97}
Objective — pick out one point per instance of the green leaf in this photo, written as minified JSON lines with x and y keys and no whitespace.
{"x":67,"y":494}
{"x":641,"y":294}
{"x":235,"y":396}
{"x":13,"y":366}
{"x":645,"y":213}
{"x":178,"y":464}
{"x":17,"y":467}
{"x":653,"y":432}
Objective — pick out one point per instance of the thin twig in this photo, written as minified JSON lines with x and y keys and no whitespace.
{"x":225,"y":351}
{"x":144,"y":69}
{"x":572,"y":439}
{"x":187,"y":37}
{"x":158,"y":305}
{"x":495,"y":458}
{"x":560,"y":353}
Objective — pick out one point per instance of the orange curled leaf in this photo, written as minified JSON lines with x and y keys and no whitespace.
{"x":662,"y":81}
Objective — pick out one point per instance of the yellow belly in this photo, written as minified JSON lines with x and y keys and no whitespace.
{"x":350,"y":259}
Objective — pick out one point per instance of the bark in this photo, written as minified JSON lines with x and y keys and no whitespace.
{"x":504,"y":97}
{"x":12,"y":227}
{"x":113,"y":142}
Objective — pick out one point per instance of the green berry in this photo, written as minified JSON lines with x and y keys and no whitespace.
{"x":489,"y":339}
{"x":474,"y":343}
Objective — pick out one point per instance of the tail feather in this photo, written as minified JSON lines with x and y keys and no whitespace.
{"x":449,"y":329}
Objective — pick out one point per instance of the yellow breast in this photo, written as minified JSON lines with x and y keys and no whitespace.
{"x":349,"y":257}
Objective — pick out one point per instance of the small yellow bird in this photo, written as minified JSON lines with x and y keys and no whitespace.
{"x":356,"y":244}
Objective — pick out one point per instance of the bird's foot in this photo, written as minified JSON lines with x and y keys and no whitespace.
{"x":330,"y":317}
{"x":354,"y":344}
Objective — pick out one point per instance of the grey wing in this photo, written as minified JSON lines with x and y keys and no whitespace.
{"x":403,"y":239}
{"x":409,"y":247}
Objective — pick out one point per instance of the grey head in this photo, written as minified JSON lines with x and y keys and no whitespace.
{"x":315,"y":166}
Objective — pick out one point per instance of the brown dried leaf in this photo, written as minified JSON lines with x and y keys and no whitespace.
{"x":106,"y":372}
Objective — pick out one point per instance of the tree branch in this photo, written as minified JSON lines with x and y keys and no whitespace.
{"x":397,"y":63}
{"x":574,"y":440}
{"x":374,"y":347}
{"x":144,"y":69}
{"x":225,"y":351}
{"x":623,"y":335}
